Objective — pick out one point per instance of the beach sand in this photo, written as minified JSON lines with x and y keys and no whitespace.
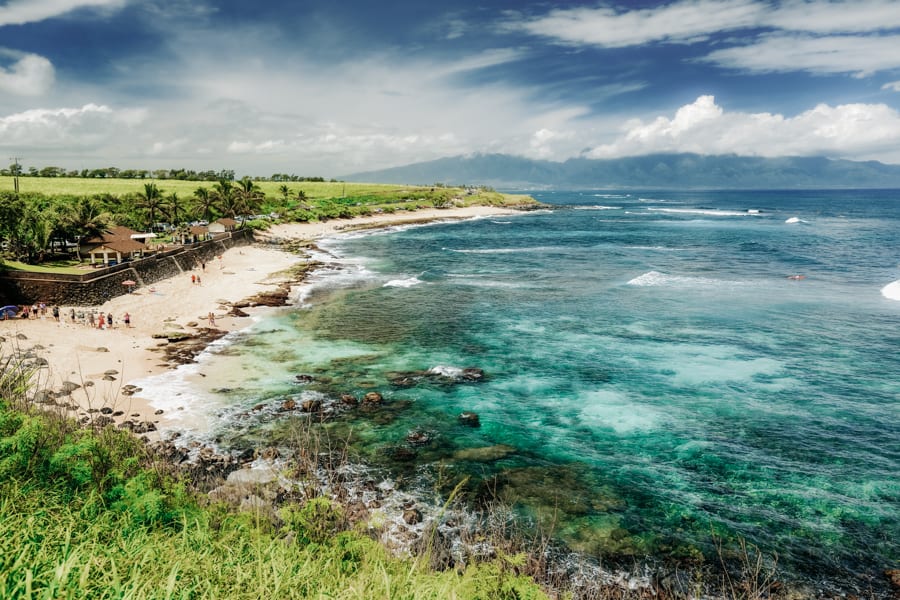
{"x":102,"y":362}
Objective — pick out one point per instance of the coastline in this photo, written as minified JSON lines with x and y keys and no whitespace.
{"x":96,"y":366}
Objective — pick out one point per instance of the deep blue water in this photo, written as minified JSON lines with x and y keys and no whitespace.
{"x":653,"y":375}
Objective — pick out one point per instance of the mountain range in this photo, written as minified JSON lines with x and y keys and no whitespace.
{"x":651,"y":171}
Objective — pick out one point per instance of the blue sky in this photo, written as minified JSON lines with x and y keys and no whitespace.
{"x":330,"y":88}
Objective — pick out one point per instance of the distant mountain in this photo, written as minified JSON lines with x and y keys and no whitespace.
{"x":652,"y":171}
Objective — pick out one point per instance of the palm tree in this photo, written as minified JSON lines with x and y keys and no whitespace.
{"x":285,"y":191}
{"x":85,"y":219}
{"x":204,"y":202}
{"x":226,"y":196}
{"x":151,"y":199}
{"x":174,"y":205}
{"x":250,"y":197}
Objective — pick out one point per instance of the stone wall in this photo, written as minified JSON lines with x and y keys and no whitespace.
{"x":97,"y":287}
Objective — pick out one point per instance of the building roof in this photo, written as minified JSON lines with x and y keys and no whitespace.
{"x":120,"y":246}
{"x":226,"y":221}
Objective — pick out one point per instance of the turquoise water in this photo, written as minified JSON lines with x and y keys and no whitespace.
{"x":652,"y":374}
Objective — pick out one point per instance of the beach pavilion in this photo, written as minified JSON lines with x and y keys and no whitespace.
{"x":114,"y":245}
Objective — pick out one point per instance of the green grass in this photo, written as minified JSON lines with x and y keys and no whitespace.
{"x":86,"y":187}
{"x":57,"y":266}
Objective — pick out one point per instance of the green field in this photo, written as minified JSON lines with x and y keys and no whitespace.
{"x":53,"y":186}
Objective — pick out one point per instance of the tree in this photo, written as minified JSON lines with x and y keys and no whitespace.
{"x":85,"y":219}
{"x":173,"y":206}
{"x":151,"y":200}
{"x":225,"y":197}
{"x":204,"y":202}
{"x":250,"y":196}
{"x":285,"y":191}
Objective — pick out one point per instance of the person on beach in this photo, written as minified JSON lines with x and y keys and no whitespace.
{"x":91,"y":319}
{"x":212,"y":320}
{"x":198,"y":280}
{"x":72,"y":315}
{"x":202,"y":265}
{"x":56,"y":314}
{"x":109,"y":320}
{"x":101,"y":321}
{"x":127,"y":319}
{"x":193,"y":279}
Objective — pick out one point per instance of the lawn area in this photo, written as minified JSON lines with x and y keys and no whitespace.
{"x":58,"y":266}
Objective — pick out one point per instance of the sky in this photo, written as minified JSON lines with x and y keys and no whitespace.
{"x":320,"y":88}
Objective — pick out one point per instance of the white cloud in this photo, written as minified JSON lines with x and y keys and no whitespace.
{"x":893,"y":85}
{"x":829,"y":16}
{"x":848,"y":130}
{"x":19,"y":12}
{"x":789,"y":36}
{"x":64,"y":129}
{"x":859,"y":55}
{"x":681,"y":22}
{"x":29,"y":75}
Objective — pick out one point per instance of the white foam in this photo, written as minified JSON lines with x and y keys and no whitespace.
{"x":892,"y":291}
{"x":445,"y":371}
{"x":709,"y":212}
{"x":792,"y":220}
{"x":597,"y":207}
{"x":655,"y":278}
{"x":504,"y":250}
{"x":403,"y":283}
{"x":613,"y":409}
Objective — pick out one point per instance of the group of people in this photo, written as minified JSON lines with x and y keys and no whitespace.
{"x":88,"y":317}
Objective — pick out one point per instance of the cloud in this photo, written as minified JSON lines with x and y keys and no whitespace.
{"x":893,"y":85}
{"x":29,"y":75}
{"x":63,"y":129}
{"x":703,"y":127}
{"x":820,"y":36}
{"x":679,"y":22}
{"x":858,"y":55}
{"x":19,"y":12}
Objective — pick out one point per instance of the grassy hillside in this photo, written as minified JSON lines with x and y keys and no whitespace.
{"x":90,"y":514}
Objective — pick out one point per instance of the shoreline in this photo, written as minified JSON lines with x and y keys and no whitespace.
{"x":87,"y":370}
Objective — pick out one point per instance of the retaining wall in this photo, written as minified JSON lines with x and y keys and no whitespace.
{"x":96,"y":287}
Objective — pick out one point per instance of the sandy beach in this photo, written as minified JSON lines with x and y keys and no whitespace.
{"x":103,"y":361}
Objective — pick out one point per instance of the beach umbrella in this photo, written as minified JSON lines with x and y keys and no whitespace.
{"x":9,"y":310}
{"x":129,"y":282}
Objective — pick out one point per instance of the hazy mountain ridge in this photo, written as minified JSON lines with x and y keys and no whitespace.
{"x":657,"y":170}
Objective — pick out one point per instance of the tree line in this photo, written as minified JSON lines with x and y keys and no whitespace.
{"x":17,"y":170}
{"x":34,"y":225}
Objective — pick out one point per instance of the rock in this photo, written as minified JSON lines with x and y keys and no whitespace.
{"x":893,"y":576}
{"x":412,"y":516}
{"x":289,"y":405}
{"x":404,"y":454}
{"x":270,"y":453}
{"x":349,"y":400}
{"x":258,"y":407}
{"x":88,"y":384}
{"x":236,"y":312}
{"x":472,"y":374}
{"x":102,"y":349}
{"x":312,"y":406}
{"x":21,"y":336}
{"x":373,"y":398}
{"x":484,"y":454}
{"x":118,"y":413}
{"x":111,"y":372}
{"x":192,"y":323}
{"x":106,"y":410}
{"x":469,"y":419}
{"x":417,"y":437}
{"x":108,"y":378}
{"x":68,"y":387}
{"x":159,"y":412}
{"x":304,"y":378}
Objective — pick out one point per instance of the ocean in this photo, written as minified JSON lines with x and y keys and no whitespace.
{"x":654,"y":373}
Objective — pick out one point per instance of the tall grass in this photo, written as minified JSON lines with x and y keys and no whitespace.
{"x":90,"y":514}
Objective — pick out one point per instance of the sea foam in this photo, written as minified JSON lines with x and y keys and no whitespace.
{"x":892,"y":290}
{"x":403,"y":283}
{"x":709,"y":212}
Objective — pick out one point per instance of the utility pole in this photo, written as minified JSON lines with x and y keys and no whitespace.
{"x":16,"y":176}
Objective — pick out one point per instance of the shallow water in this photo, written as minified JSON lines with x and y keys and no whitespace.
{"x":652,"y":373}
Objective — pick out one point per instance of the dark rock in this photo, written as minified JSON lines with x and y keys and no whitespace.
{"x":118,"y":413}
{"x":304,"y":378}
{"x":288,"y":405}
{"x":106,"y":410}
{"x":472,"y":374}
{"x":21,"y":336}
{"x":258,"y":407}
{"x":108,"y":378}
{"x":236,"y":312}
{"x":893,"y":576}
{"x":312,"y":406}
{"x":469,"y":419}
{"x":68,"y":387}
{"x":373,"y":398}
{"x":158,"y":412}
{"x":412,"y":516}
{"x":349,"y":400}
{"x":404,"y":454}
{"x":270,"y":453}
{"x":102,"y":349}
{"x":417,"y":437}
{"x":111,"y":372}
